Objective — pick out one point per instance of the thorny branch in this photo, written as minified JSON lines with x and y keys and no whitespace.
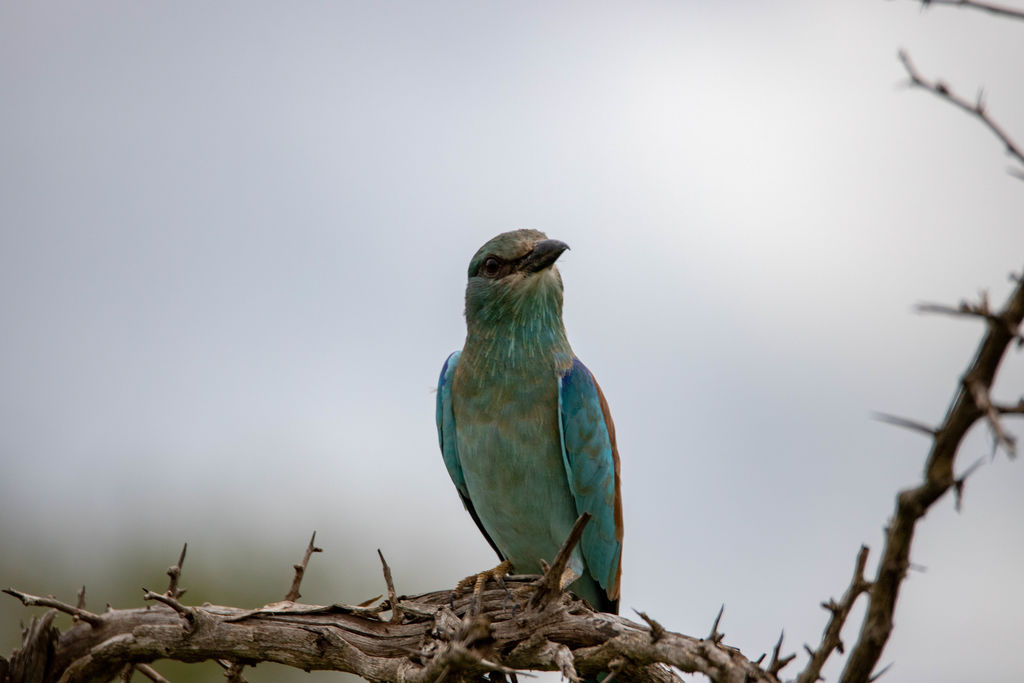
{"x":437,"y":635}
{"x":300,"y":570}
{"x":839,"y":611}
{"x":174,"y":572}
{"x":527,"y":623}
{"x":976,"y":108}
{"x":970,"y":403}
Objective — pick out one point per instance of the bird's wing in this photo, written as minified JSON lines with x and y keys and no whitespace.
{"x":446,"y":437}
{"x":592,"y":465}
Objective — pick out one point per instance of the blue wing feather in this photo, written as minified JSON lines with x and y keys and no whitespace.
{"x":449,"y":449}
{"x":592,"y":466}
{"x":446,"y":424}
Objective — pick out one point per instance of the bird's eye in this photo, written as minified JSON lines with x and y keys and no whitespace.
{"x":491,"y":266}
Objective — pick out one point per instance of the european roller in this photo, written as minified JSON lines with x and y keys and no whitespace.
{"x":524,"y":427}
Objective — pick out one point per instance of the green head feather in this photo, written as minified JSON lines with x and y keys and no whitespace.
{"x":514,"y":295}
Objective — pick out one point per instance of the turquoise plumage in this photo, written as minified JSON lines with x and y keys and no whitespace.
{"x":523,"y":426}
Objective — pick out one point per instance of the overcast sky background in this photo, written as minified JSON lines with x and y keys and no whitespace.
{"x":233,"y":245}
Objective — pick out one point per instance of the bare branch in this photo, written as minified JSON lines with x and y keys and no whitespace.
{"x":396,"y":611}
{"x":976,"y":108}
{"x":715,"y":636}
{"x":964,"y":309}
{"x":830,"y":639}
{"x":187,"y":612}
{"x":300,"y":570}
{"x":991,"y":8}
{"x":150,"y":673}
{"x":778,"y":662}
{"x":969,"y":404}
{"x":435,"y":635}
{"x":979,"y":393}
{"x":1017,"y":409}
{"x":657,"y":630}
{"x":174,"y":571}
{"x":232,"y":671}
{"x":36,"y":601}
{"x":551,"y":584}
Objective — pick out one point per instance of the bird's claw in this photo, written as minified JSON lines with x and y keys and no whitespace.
{"x":479,"y":582}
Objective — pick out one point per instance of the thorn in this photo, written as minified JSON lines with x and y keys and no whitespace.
{"x":396,"y":611}
{"x":174,"y":571}
{"x":880,"y":673}
{"x":777,"y":663}
{"x":367,"y":603}
{"x":958,"y":484}
{"x":912,"y":425}
{"x":716,"y":637}
{"x":832,"y":606}
{"x":657,"y":630}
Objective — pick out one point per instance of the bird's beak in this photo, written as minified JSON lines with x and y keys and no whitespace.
{"x":544,"y":255}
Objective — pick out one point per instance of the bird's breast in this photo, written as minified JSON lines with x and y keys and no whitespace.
{"x":509,"y":444}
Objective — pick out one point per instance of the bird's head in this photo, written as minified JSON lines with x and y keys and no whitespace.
{"x":513,"y":280}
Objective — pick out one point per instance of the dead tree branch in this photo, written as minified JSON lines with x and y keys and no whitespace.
{"x":991,"y":8}
{"x":970,"y":403}
{"x":300,"y":569}
{"x":522,"y":625}
{"x":526,"y":622}
{"x":976,"y":108}
{"x":831,"y":640}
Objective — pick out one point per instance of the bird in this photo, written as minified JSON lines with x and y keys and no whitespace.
{"x":524,"y":428}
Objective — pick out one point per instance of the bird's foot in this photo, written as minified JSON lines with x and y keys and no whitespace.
{"x":479,"y":581}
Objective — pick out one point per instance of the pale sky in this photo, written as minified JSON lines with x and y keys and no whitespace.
{"x":233,"y":246}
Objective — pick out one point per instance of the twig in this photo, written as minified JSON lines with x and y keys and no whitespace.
{"x":232,"y":671}
{"x":979,"y":392}
{"x":396,"y":611}
{"x":716,"y":637}
{"x":657,"y":630}
{"x":976,"y":108}
{"x":174,"y":571}
{"x":300,"y":570}
{"x":777,"y":662}
{"x":964,"y":309}
{"x":913,"y":503}
{"x":186,"y":612}
{"x":36,"y":601}
{"x":150,"y":673}
{"x":991,"y":8}
{"x":1017,"y":409}
{"x":831,"y":638}
{"x":551,"y":584}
